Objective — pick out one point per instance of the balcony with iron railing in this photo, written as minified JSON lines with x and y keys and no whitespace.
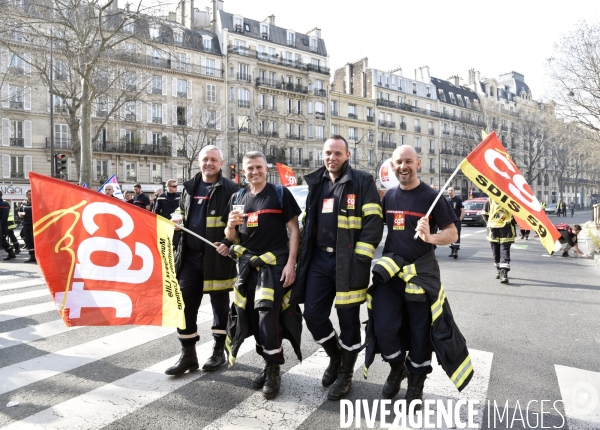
{"x":387,"y":124}
{"x":16,"y":70}
{"x":157,"y":119}
{"x":14,"y":104}
{"x":243,"y":77}
{"x":504,"y":128}
{"x":446,"y":151}
{"x":417,"y":128}
{"x":446,"y":132}
{"x":418,"y":149}
{"x":132,"y":148}
{"x":432,"y":170}
{"x":370,"y":118}
{"x":280,"y":61}
{"x":320,"y":115}
{"x":513,"y":130}
{"x":431,"y":151}
{"x":60,"y":143}
{"x":386,"y":144}
{"x":182,"y":94}
{"x":402,"y":126}
{"x":334,"y":113}
{"x":244,"y":104}
{"x":17,"y":175}
{"x":268,"y":133}
{"x":17,"y":141}
{"x":320,"y":92}
{"x":447,"y":170}
{"x":431,"y":131}
{"x":245,"y":129}
{"x":352,"y":116}
{"x":294,"y":136}
{"x":156,"y":90}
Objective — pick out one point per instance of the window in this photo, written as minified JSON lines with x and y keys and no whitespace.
{"x":211,"y":93}
{"x":310,"y":130}
{"x":154,"y":33}
{"x":334,"y":107}
{"x":16,"y":167}
{"x":418,"y":143}
{"x":310,"y":107}
{"x":264,"y":31}
{"x":181,"y":88}
{"x":101,"y":169}
{"x":207,"y":43}
{"x":128,"y":27}
{"x":231,"y":94}
{"x":352,"y":109}
{"x":178,"y":38}
{"x":129,"y":136}
{"x":129,"y":111}
{"x":16,"y":133}
{"x":156,"y":113}
{"x":291,"y":38}
{"x":130,"y":171}
{"x":319,"y":132}
{"x":313,"y":44}
{"x":243,"y":98}
{"x":352,"y":133}
{"x":452,"y":99}
{"x":61,"y":136}
{"x":157,"y":84}
{"x":60,"y":70}
{"x":334,"y":129}
{"x":156,"y":173}
{"x":181,"y":115}
{"x":441,"y":95}
{"x":210,"y":67}
{"x":273,"y":102}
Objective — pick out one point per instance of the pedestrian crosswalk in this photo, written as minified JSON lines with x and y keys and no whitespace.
{"x":113,"y":377}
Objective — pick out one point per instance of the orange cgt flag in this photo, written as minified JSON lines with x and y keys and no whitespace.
{"x":286,"y":174}
{"x":493,"y":170}
{"x":106,"y":262}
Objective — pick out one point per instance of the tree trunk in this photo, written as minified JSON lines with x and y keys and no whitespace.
{"x":85,"y":170}
{"x":75,"y":141}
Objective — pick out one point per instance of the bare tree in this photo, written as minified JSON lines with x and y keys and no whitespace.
{"x":94,"y":47}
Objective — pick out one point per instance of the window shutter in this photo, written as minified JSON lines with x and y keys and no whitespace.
{"x":139,"y":81}
{"x":137,"y":171}
{"x":3,"y":60}
{"x":5,"y":95}
{"x":124,"y":172}
{"x":174,"y":145}
{"x":174,"y":87}
{"x":27,"y":133}
{"x":68,"y":169}
{"x":189,"y":89}
{"x":138,"y":111}
{"x":149,"y":84}
{"x":94,"y":170}
{"x":27,"y":98}
{"x":190,"y":116}
{"x":149,"y":111}
{"x":110,"y":107}
{"x":122,"y":134}
{"x":27,"y":165}
{"x":109,"y":169}
{"x":203,"y":71}
{"x":150,"y":179}
{"x":188,"y":62}
{"x":164,"y":85}
{"x":5,"y":132}
{"x":5,"y":166}
{"x":203,"y":119}
{"x":174,"y":115}
{"x":164,"y":113}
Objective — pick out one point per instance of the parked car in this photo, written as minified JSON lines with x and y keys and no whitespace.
{"x":474,"y":212}
{"x":300,"y":192}
{"x":550,"y":208}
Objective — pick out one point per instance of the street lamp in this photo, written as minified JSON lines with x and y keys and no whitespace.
{"x":240,"y":127}
{"x":356,"y":144}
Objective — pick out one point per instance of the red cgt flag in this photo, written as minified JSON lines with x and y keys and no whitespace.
{"x":106,"y":262}
{"x":286,"y":174}
{"x":490,"y":166}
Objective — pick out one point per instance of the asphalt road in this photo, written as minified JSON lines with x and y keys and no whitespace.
{"x":532,"y":340}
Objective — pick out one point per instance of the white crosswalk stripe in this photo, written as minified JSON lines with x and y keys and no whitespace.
{"x":302,"y":396}
{"x":22,"y":284}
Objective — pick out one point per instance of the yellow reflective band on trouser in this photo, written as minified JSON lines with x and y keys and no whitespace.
{"x":350,"y":297}
{"x":349,"y":222}
{"x":372,"y":209}
{"x":389,"y":265}
{"x":214,"y":222}
{"x":218,"y":285}
{"x":365,"y":249}
{"x":228,"y":347}
{"x":462,"y":373}
{"x":436,"y":308}
{"x":413,"y":289}
{"x":365,"y":371}
{"x":369,"y":302}
{"x":408,"y":272}
{"x":239,"y":300}
{"x":265,"y":294}
{"x":285,"y":301}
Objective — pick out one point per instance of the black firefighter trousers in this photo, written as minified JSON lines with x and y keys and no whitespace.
{"x":191,"y":282}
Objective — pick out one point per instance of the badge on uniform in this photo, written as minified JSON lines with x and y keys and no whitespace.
{"x":212,"y":212}
{"x":252,"y":220}
{"x":351,"y":201}
{"x":399,"y":221}
{"x":327,"y":206}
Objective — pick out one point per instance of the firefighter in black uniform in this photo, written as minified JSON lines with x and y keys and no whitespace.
{"x":457,"y":206}
{"x":200,"y":269}
{"x":344,"y":225}
{"x":405,"y":208}
{"x":4,"y":213}
{"x":167,"y":203}
{"x":27,"y":227}
{"x":262,"y":234}
{"x":501,"y":235}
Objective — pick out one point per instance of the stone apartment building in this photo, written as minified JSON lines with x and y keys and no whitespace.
{"x":177,"y":89}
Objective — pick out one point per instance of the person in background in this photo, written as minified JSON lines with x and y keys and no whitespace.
{"x":128,"y":197}
{"x":26,"y":215}
{"x":140,"y":199}
{"x":168,"y":202}
{"x":109,"y":190}
{"x":4,"y":213}
{"x":11,"y":231}
{"x":572,"y":207}
{"x":570,"y":237}
{"x":457,"y":206}
{"x":501,"y":235}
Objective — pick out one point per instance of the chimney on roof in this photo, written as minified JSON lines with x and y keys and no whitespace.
{"x":477,"y":76}
{"x":455,"y":80}
{"x":271,"y":19}
{"x":314,"y":32}
{"x":471,"y":76}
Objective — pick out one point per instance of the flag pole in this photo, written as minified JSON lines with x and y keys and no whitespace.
{"x":440,"y":194}
{"x":198,"y":236}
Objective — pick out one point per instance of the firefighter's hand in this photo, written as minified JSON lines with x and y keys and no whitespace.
{"x":288,"y":276}
{"x":423,"y":229}
{"x":222,"y":249}
{"x":234,"y":219}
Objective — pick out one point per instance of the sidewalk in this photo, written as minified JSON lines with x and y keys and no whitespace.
{"x":586,"y":242}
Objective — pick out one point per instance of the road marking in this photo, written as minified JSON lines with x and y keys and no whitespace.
{"x":35,"y":332}
{"x":301,"y":393}
{"x":518,"y":246}
{"x":22,"y":284}
{"x":580,"y":392}
{"x":102,"y":406}
{"x":26,"y":311}
{"x":24,"y":296}
{"x":28,"y":372}
{"x":9,"y":277}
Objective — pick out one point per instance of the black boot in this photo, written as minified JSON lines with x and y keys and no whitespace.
{"x":392,"y":385}
{"x":31,"y":258}
{"x":11,"y":255}
{"x":17,"y":248}
{"x":333,"y":350}
{"x":497,"y":273}
{"x":415,"y":389}
{"x":217,"y":359}
{"x":187,"y":361}
{"x":455,"y":254}
{"x":503,"y":276}
{"x":270,"y":388}
{"x":342,"y":385}
{"x":259,"y":380}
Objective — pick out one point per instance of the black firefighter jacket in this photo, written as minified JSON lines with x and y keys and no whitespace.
{"x":420,"y":279}
{"x":239,"y":326}
{"x":219,"y":271}
{"x":359,"y":231}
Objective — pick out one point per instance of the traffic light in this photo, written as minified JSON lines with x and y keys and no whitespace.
{"x":232,"y":171}
{"x":60,"y":165}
